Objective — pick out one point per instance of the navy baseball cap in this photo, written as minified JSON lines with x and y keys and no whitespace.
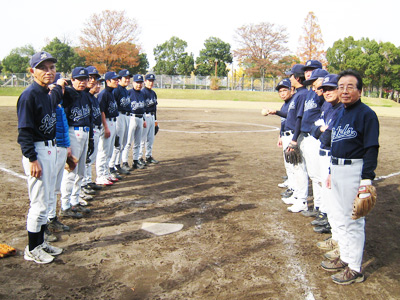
{"x":284,"y":83}
{"x":138,"y":78}
{"x":316,"y":73}
{"x":93,"y":71}
{"x":297,"y":68}
{"x":80,"y":72}
{"x":58,"y":76}
{"x":313,"y":64}
{"x":330,"y":80}
{"x":111,"y":75}
{"x":125,"y":73}
{"x":40,"y":57}
{"x":150,"y":77}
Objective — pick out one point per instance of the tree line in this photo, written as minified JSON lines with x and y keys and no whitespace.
{"x":110,"y":41}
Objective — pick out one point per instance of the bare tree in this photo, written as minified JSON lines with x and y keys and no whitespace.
{"x":261,"y":48}
{"x":109,"y":41}
{"x":311,"y":43}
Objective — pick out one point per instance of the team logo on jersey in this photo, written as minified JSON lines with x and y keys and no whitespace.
{"x":78,"y":113}
{"x":292,"y":105}
{"x":96,"y":112}
{"x":283,"y":120}
{"x":345,"y":133}
{"x":310,"y":104}
{"x":125,"y":101}
{"x":112,"y":107}
{"x":48,"y":123}
{"x":151,"y":101}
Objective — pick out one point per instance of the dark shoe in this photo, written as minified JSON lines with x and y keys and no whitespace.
{"x":126,"y":166}
{"x":95,"y":186}
{"x":122,"y":171}
{"x":69,"y":213}
{"x":287,"y":194}
{"x":310,"y":213}
{"x":81,"y":209}
{"x":348,"y":276}
{"x":151,"y":160}
{"x":333,"y":265}
{"x":49,"y":236}
{"x":320,"y":220}
{"x":136,"y":165}
{"x":88,"y":190}
{"x":55,"y":225}
{"x":115,"y":175}
{"x":142,"y":162}
{"x":323,"y":229}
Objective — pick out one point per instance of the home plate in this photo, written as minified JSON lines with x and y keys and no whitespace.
{"x":161,"y":228}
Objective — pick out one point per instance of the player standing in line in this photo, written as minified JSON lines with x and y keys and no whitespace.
{"x":284,"y":89}
{"x":292,"y":131}
{"x":150,"y":100}
{"x":355,"y":145}
{"x":123,"y":99}
{"x":322,"y":130}
{"x":94,"y":85}
{"x":136,"y":124}
{"x":109,"y":114}
{"x":77,"y":107}
{"x":36,"y":112}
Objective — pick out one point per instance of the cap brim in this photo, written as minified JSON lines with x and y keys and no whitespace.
{"x":327,"y":85}
{"x":281,"y":86}
{"x":309,"y":81}
{"x":52,"y":59}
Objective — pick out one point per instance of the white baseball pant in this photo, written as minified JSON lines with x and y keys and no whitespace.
{"x":40,"y":189}
{"x":104,"y":153}
{"x":122,"y":129}
{"x":345,"y":181}
{"x":135,"y":137}
{"x":148,"y":135}
{"x":72,"y":181}
{"x":88,"y":168}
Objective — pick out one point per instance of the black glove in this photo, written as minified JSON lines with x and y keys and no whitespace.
{"x":90,"y":148}
{"x":116,"y":143}
{"x":156,"y":128}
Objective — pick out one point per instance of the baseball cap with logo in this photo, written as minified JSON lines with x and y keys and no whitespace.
{"x":138,"y":78}
{"x":313,"y":64}
{"x":111,"y":75}
{"x":316,"y":73}
{"x":125,"y":73}
{"x":93,"y":71}
{"x":284,"y":83}
{"x":80,"y":72}
{"x":330,"y":80}
{"x":296,"y":69}
{"x":150,"y":77}
{"x":40,"y":57}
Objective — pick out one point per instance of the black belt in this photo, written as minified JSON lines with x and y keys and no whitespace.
{"x":324,"y":152}
{"x":289,"y":132}
{"x":151,"y":113}
{"x":50,"y":143}
{"x":84,"y":128}
{"x":113,"y":119}
{"x":125,"y":113}
{"x":139,"y":115}
{"x":306,"y":134}
{"x":341,"y":161}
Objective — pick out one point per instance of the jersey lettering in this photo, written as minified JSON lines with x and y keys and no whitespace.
{"x":48,"y":123}
{"x":78,"y":114}
{"x":346,"y":133}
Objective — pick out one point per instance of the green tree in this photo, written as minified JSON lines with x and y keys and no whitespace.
{"x":171,"y":58}
{"x":142,"y":67}
{"x":67,"y":58}
{"x":213,"y":58}
{"x":18,"y":59}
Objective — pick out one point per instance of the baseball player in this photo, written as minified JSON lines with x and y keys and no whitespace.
{"x":36,"y":112}
{"x":292,"y":131}
{"x":150,"y":99}
{"x":354,"y":152}
{"x":77,"y":108}
{"x":123,"y":99}
{"x":109,"y":114}
{"x":136,"y":124}
{"x":93,"y":87}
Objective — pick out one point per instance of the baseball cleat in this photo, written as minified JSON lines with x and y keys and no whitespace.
{"x":103,"y":181}
{"x":290,"y":200}
{"x":79,"y":208}
{"x":69,"y":213}
{"x":284,"y":184}
{"x":38,"y":255}
{"x":328,"y":244}
{"x":141,"y":161}
{"x":297,"y":207}
{"x":126,"y":166}
{"x":52,"y":250}
{"x":94,"y":186}
{"x":310,"y":213}
{"x":55,"y":225}
{"x":151,"y":160}
{"x":333,"y":265}
{"x":49,"y":236}
{"x":323,"y":229}
{"x":347,"y":276}
{"x":288,"y":193}
{"x":88,"y":190}
{"x":333,"y":254}
{"x":122,"y":170}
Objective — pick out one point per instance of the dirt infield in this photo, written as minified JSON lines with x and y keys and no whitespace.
{"x":238,"y":241}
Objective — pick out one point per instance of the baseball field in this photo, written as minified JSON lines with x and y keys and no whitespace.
{"x":218,"y":175}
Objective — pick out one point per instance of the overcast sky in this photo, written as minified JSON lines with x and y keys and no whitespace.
{"x":32,"y":22}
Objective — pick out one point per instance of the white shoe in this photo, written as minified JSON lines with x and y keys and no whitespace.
{"x":52,"y":250}
{"x":290,"y":200}
{"x":38,"y":255}
{"x":82,"y":202}
{"x":298,"y":207}
{"x":84,"y":196}
{"x":284,"y":184}
{"x":103,"y":181}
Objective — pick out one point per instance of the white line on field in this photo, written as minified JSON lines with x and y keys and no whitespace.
{"x":11,"y":172}
{"x":387,"y":176}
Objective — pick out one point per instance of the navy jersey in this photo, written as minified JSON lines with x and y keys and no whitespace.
{"x":96,"y":113}
{"x":150,"y":100}
{"x":137,"y":101}
{"x":123,"y":99}
{"x":108,"y":105}
{"x":294,"y":107}
{"x":77,"y":107}
{"x":37,"y":119}
{"x":311,"y":110}
{"x":283,"y":113}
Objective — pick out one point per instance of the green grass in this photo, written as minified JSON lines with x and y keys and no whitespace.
{"x":11,"y":91}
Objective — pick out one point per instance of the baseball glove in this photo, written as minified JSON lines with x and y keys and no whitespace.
{"x":292,"y":154}
{"x":364,"y":201}
{"x":71,"y":163}
{"x":6,"y":250}
{"x":156,"y":129}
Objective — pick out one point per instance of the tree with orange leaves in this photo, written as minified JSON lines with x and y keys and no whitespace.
{"x":311,"y":43}
{"x":109,"y":41}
